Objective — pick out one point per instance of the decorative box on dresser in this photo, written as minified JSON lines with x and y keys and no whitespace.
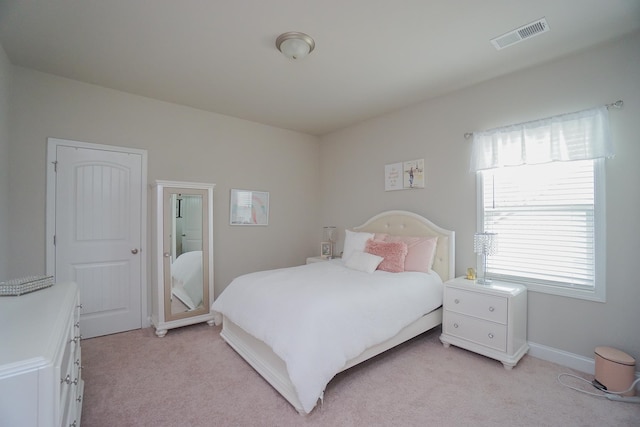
{"x":40,"y":361}
{"x":487,"y":319}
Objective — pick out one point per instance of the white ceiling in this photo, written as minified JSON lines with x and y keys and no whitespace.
{"x":371,"y":57}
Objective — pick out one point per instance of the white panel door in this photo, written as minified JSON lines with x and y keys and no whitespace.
{"x":192,"y":223}
{"x":98,"y":205}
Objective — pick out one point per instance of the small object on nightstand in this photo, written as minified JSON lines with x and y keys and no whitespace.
{"x":471,"y":274}
{"x":490,"y":320}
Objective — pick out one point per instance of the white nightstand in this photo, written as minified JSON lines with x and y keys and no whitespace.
{"x":490,"y":320}
{"x":313,"y":259}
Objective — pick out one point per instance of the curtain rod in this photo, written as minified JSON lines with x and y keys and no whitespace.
{"x":617,"y":105}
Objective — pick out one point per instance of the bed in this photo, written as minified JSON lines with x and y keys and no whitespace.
{"x":302,"y":381}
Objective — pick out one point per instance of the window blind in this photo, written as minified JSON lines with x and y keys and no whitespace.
{"x":545,"y":219}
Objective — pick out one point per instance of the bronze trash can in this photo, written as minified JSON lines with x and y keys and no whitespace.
{"x":615,"y":369}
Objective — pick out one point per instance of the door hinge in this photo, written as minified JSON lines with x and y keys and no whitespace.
{"x":54,"y":240}
{"x":55,"y":165}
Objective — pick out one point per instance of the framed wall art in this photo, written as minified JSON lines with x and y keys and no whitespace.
{"x":248,"y":207}
{"x":325,"y":250}
{"x":393,"y":176}
{"x":413,"y":173}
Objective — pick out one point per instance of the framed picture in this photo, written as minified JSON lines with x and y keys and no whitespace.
{"x":413,"y":173}
{"x":325,"y":250}
{"x":393,"y":177}
{"x":249,"y":207}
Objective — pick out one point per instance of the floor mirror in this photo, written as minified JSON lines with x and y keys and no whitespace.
{"x":182,"y":237}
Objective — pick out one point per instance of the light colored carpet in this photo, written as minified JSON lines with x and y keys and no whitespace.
{"x":192,"y":377}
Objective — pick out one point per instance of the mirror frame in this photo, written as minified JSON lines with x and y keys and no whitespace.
{"x":206,"y":191}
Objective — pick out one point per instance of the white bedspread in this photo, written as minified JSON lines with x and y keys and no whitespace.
{"x":318,"y":316}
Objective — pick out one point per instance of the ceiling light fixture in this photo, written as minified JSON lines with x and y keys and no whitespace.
{"x":295,"y":45}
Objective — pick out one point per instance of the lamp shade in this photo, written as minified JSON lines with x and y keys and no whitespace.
{"x":485,"y":243}
{"x":329,"y":233}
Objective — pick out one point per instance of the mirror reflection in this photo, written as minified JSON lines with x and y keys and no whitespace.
{"x":186,"y":255}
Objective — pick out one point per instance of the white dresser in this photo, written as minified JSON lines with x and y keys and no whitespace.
{"x":40,"y":375}
{"x":490,"y":320}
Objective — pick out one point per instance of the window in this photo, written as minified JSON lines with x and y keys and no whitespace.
{"x":550,"y":229}
{"x":541,"y":189}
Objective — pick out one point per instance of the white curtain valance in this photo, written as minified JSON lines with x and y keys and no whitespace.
{"x":574,"y":136}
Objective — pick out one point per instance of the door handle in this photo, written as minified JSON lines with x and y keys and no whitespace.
{"x":134,"y":251}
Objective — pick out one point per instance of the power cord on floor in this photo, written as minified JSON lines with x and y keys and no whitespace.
{"x":611,"y":395}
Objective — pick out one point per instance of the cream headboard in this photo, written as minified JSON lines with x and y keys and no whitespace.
{"x":404,"y":223}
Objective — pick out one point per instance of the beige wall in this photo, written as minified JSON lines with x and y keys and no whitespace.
{"x":353,"y":181}
{"x":183,"y":144}
{"x":5,"y":85}
{"x":340,"y":180}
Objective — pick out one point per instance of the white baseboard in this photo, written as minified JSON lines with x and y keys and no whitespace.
{"x":564,"y":358}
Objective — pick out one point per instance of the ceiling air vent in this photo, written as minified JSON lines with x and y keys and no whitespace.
{"x":519,"y":34}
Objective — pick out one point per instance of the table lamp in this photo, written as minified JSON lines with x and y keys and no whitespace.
{"x":329,"y":235}
{"x":485,"y":244}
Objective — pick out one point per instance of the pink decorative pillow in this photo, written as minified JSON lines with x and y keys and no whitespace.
{"x":421,"y":252}
{"x":380,"y":237}
{"x":394,"y":254}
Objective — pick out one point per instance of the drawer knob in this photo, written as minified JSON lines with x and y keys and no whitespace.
{"x":77,"y":324}
{"x":73,"y":424}
{"x":490,"y":335}
{"x":491,"y":309}
{"x":67,"y":380}
{"x":457,"y":301}
{"x":455,"y":325}
{"x":79,"y":398}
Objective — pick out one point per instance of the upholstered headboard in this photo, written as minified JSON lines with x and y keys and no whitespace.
{"x":404,"y":223}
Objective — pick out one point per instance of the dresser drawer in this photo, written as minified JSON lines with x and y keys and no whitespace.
{"x":65,"y":367}
{"x":73,"y":405}
{"x":485,"y":333}
{"x":488,"y":307}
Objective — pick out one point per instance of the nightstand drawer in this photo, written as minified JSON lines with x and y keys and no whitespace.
{"x":488,"y":307}
{"x":482,"y":332}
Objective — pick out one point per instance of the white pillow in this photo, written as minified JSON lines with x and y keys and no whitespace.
{"x":354,"y":241}
{"x":363,"y":261}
